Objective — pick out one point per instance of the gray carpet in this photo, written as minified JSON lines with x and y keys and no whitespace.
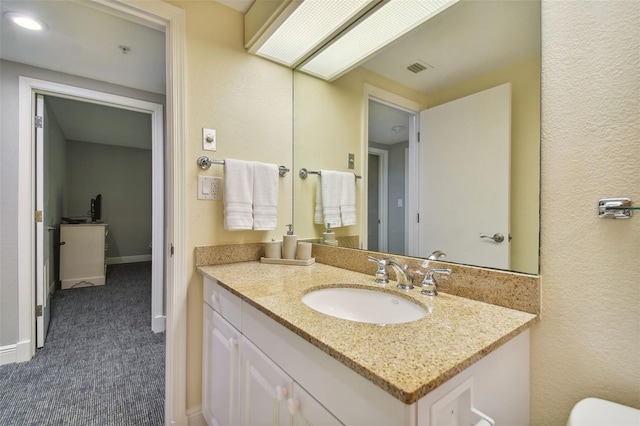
{"x":101,"y":364}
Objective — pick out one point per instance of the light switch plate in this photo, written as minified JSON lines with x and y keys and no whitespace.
{"x":209,"y":140}
{"x":209,"y":188}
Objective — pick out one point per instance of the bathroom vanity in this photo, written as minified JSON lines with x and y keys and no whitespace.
{"x":266,"y":355}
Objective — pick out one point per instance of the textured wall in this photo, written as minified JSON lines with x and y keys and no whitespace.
{"x":248,"y":100}
{"x":588,"y":341}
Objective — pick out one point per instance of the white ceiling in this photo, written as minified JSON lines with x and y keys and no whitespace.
{"x":84,"y":122}
{"x":471,"y":37}
{"x":84,"y":41}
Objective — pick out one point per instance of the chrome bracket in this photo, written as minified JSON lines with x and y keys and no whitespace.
{"x":615,"y":208}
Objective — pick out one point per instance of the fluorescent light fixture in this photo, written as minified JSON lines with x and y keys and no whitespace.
{"x":26,"y":21}
{"x":308,"y":28}
{"x":386,"y":24}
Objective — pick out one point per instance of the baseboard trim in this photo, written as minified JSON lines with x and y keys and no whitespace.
{"x":129,"y":259}
{"x":195,"y":416}
{"x":8,"y":354}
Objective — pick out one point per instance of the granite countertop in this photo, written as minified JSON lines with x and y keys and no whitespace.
{"x":407,"y":360}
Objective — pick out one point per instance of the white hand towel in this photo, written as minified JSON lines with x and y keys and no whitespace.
{"x":348,"y":198}
{"x":265,"y":196}
{"x":318,"y":217}
{"x":238,"y":194}
{"x":331,"y":183}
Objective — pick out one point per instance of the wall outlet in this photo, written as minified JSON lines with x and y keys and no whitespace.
{"x":216,"y":188}
{"x":209,"y":140}
{"x":209,"y":188}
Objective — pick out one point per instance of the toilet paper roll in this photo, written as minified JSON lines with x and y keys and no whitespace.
{"x":303,"y":251}
{"x":273,"y":250}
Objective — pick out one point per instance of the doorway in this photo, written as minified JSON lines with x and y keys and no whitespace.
{"x":390,"y":133}
{"x":110,"y":150}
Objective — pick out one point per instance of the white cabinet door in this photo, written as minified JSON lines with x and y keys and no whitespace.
{"x":220,"y":375}
{"x":307,"y":411}
{"x":265,"y":389}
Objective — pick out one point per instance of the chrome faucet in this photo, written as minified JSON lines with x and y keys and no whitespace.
{"x":429,"y":284}
{"x":382,"y":276}
{"x":405,"y":281}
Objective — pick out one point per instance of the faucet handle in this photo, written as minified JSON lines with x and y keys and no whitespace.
{"x":429,"y":283}
{"x":382,"y":276}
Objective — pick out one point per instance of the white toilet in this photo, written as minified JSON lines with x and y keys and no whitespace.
{"x":598,"y":412}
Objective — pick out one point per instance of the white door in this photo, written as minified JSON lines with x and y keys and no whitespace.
{"x":461,"y":206}
{"x":220,"y":378}
{"x":44,"y":227}
{"x":265,"y":389}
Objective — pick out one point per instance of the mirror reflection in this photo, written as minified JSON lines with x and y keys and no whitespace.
{"x":468,"y":81}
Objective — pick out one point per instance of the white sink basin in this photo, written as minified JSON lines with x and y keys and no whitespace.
{"x":363,"y":305}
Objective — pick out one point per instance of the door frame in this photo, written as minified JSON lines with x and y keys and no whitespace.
{"x":172,"y":21}
{"x":51,"y":89}
{"x":383,"y":197}
{"x":399,"y":102}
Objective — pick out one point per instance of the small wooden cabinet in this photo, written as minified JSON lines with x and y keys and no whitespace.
{"x":82,"y":255}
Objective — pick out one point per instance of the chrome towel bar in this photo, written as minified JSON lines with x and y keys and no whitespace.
{"x":205,"y":162}
{"x":305,"y":172}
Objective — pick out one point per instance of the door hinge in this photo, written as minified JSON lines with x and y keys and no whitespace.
{"x":38,"y":310}
{"x":418,"y":217}
{"x":171,"y":250}
{"x":418,"y":136}
{"x":39,"y":121}
{"x":38,"y":216}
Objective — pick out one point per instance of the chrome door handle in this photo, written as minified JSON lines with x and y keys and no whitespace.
{"x":498,"y":238}
{"x":51,"y":228}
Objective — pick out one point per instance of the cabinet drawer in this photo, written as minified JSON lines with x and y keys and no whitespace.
{"x":222,"y":301}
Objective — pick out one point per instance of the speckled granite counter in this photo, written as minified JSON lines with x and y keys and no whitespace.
{"x":407,"y":360}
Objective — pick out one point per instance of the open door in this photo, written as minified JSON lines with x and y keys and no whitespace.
{"x":44,"y":229}
{"x":464,"y":210}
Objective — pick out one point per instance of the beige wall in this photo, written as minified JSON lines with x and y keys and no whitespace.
{"x":248,"y":101}
{"x":588,"y":342}
{"x":525,"y":151}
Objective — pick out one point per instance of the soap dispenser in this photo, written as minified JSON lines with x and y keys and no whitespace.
{"x":328,"y":237}
{"x":289,"y":243}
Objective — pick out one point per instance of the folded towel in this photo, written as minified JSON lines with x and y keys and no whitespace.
{"x":265,"y":196}
{"x":331,"y":188}
{"x":348,"y":198}
{"x":238,"y":194}
{"x":318,"y":217}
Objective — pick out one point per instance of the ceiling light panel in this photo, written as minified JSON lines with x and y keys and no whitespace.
{"x":386,"y":24}
{"x":310,"y":24}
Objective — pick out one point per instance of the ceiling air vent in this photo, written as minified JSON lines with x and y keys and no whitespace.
{"x":418,"y":66}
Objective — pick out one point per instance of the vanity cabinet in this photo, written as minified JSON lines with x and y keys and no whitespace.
{"x":221,"y":367}
{"x":285,"y":380}
{"x":240,"y":384}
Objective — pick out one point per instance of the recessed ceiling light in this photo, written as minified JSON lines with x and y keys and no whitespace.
{"x":26,"y":21}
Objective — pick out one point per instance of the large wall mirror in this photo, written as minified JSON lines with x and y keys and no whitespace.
{"x":469,"y":81}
